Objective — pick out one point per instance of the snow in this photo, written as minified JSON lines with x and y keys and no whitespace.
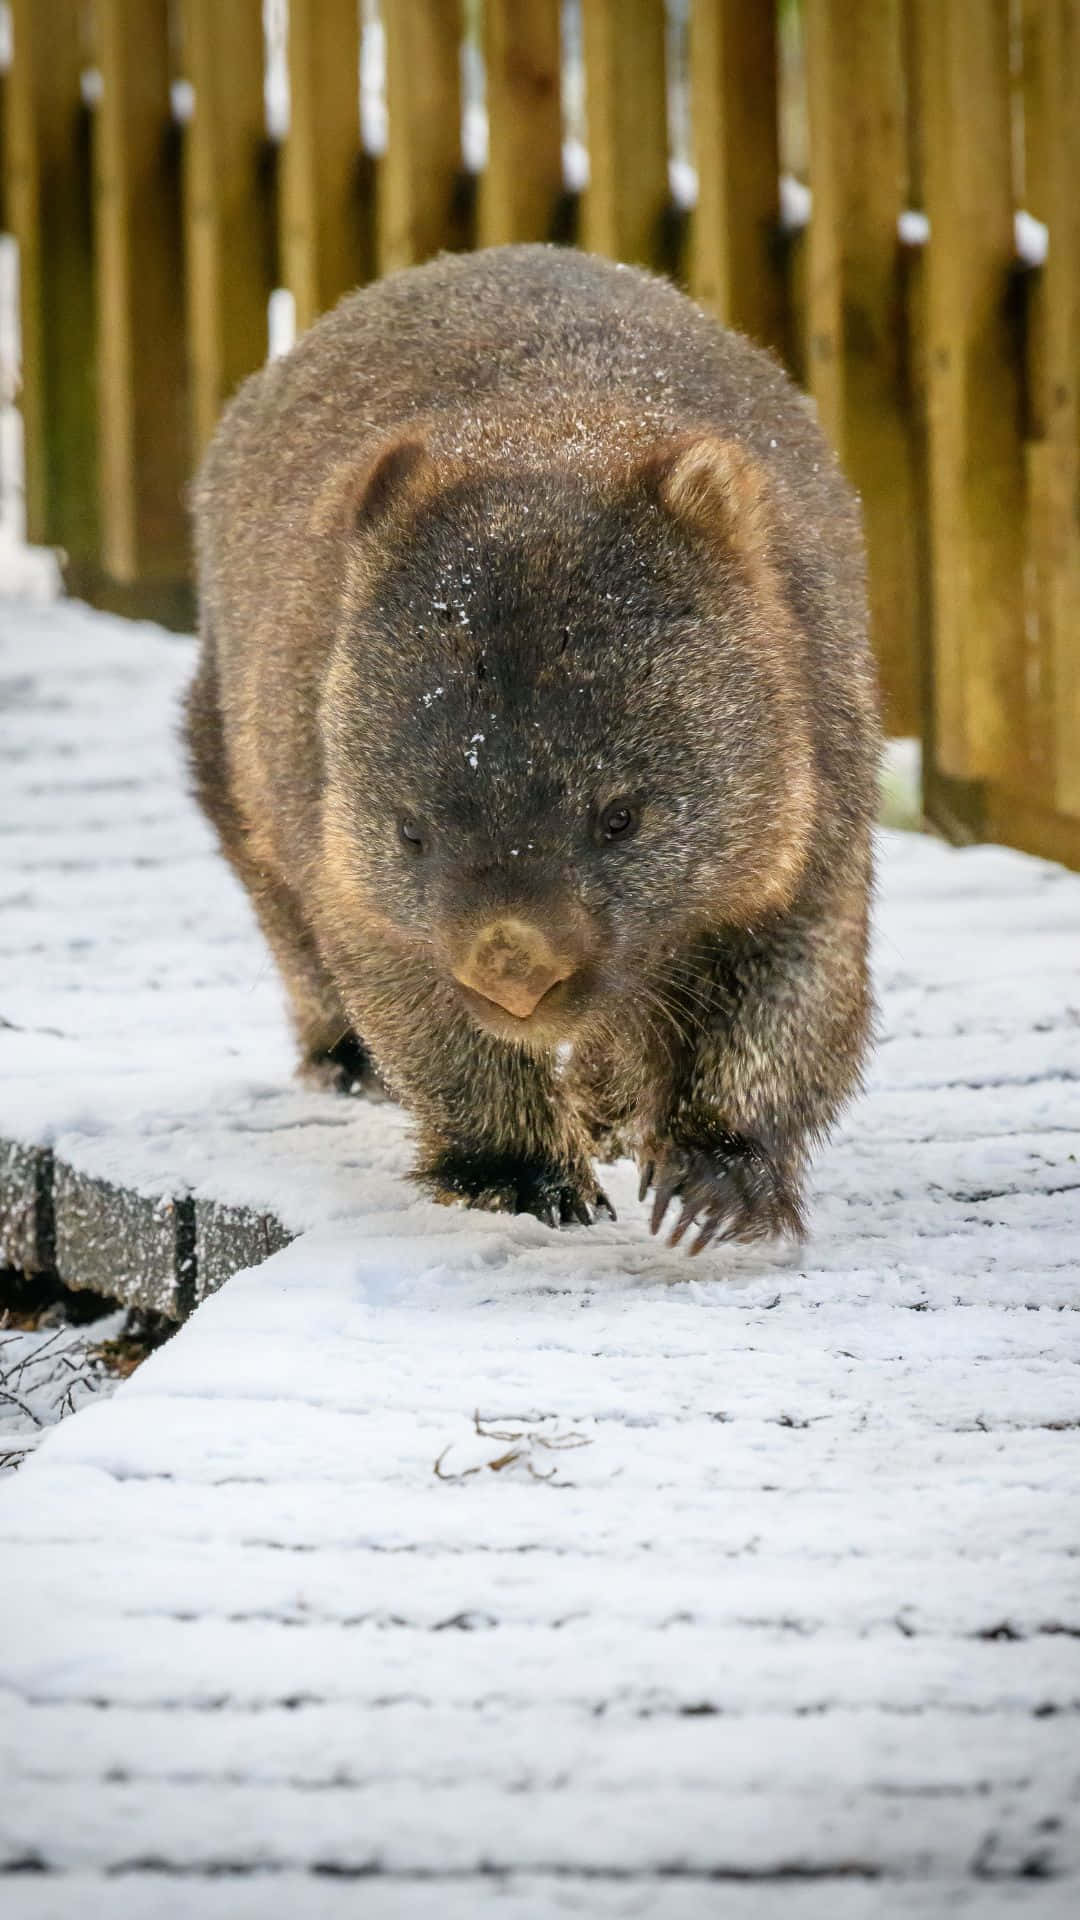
{"x":31,"y":572}
{"x":913,"y":227}
{"x":796,"y":202}
{"x":1031,"y":237}
{"x":524,"y":1572}
{"x":901,"y":783}
{"x":280,"y":322}
{"x":528,"y":1897}
{"x":48,"y":1371}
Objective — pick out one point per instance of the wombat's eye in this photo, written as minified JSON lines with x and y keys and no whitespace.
{"x":410,"y":833}
{"x":619,"y":821}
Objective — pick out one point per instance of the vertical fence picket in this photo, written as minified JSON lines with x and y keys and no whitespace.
{"x":626,"y":110}
{"x":421,"y":170}
{"x":521,"y":184}
{"x":1052,"y":126}
{"x":48,"y":211}
{"x":322,"y":227}
{"x":225,"y":214}
{"x":855,"y":321}
{"x":734,"y":262}
{"x":976,"y":492}
{"x":937,"y":798}
{"x":143,"y":414}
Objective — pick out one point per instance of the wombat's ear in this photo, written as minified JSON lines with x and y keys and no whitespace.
{"x":715,"y":486}
{"x":395,"y":472}
{"x":362,"y":494}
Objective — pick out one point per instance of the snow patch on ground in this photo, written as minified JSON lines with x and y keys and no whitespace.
{"x":47,"y":1372}
{"x":519,"y":1571}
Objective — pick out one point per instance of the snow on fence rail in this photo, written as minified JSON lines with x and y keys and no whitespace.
{"x":944,"y":367}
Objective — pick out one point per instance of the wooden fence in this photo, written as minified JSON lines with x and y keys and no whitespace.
{"x":154,"y":219}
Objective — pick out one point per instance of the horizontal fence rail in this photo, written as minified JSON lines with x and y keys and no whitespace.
{"x":885,"y":194}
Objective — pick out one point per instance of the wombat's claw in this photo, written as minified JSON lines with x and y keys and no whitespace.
{"x":560,"y":1205}
{"x":573,"y":1208}
{"x":730,"y":1191}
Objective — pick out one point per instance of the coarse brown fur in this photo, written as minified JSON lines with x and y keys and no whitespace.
{"x":534,"y":650}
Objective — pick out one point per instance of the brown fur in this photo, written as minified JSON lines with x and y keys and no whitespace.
{"x":506,"y":541}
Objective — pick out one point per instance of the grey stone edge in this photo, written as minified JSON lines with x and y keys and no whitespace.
{"x":162,"y":1254}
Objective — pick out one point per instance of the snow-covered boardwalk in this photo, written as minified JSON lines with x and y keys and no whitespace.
{"x":517,"y":1573}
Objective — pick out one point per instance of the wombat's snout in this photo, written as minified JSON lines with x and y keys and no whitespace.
{"x":514,"y":964}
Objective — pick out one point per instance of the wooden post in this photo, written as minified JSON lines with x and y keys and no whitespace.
{"x":626,"y":114}
{"x":522,"y":182}
{"x":1051,"y":73}
{"x":322,"y":249}
{"x":974,"y":391}
{"x":422,"y":166}
{"x":141,"y":350}
{"x":48,"y":209}
{"x":855,"y":322}
{"x":734,"y":262}
{"x":228,"y":249}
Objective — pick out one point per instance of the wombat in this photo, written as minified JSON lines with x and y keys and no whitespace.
{"x":536,"y":712}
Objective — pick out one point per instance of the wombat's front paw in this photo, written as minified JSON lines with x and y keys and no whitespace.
{"x":500,"y":1183}
{"x":346,"y":1067}
{"x":731,"y":1189}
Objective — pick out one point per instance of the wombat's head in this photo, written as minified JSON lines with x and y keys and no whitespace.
{"x":564,"y":723}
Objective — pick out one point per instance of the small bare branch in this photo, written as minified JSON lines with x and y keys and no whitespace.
{"x":440,"y":1475}
{"x":22,"y":1406}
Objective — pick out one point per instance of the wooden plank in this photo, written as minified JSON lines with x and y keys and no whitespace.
{"x":142,"y":394}
{"x":228,"y":253}
{"x":1018,"y":820}
{"x":956,"y":808}
{"x":976,"y":485}
{"x":735,"y":255}
{"x":855,"y":321}
{"x":624,"y":204}
{"x":127,"y":1246}
{"x":417,"y":197}
{"x":521,"y":185}
{"x":1051,"y":74}
{"x":48,"y":211}
{"x":323,"y":248}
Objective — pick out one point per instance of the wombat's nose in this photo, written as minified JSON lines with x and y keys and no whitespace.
{"x":513,"y":964}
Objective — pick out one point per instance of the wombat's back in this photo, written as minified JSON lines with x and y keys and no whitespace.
{"x":501,"y":348}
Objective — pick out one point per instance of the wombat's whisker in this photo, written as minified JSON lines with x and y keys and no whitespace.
{"x":667,"y":1015}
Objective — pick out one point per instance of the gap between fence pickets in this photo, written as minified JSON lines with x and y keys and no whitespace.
{"x":1031,"y":237}
{"x":161,"y":1254}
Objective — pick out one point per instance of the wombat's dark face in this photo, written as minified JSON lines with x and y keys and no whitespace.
{"x":562,"y":726}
